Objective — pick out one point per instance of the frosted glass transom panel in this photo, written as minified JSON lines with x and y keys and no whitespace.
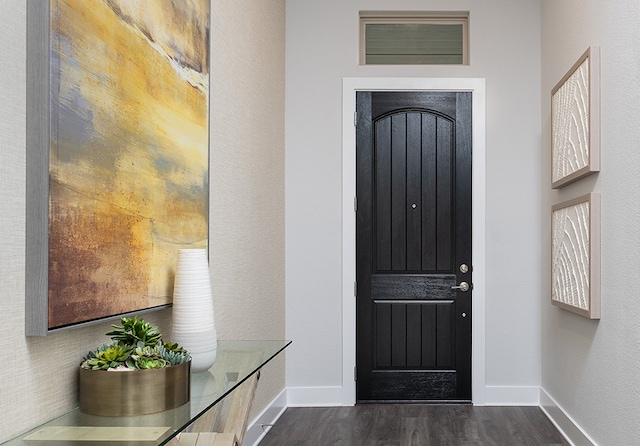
{"x":413,"y":44}
{"x":414,"y":38}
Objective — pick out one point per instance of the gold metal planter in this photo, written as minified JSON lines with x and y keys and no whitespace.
{"x":135,"y":392}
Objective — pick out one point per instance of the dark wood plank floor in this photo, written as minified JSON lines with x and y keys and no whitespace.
{"x":413,"y":425}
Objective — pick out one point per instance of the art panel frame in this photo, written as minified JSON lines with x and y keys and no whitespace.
{"x":158,"y":190}
{"x":575,"y":121}
{"x":575,"y":255}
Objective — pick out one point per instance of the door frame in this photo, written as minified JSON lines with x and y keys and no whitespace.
{"x":349,"y":87}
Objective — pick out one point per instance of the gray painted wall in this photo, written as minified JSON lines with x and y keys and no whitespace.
{"x":322,"y":48}
{"x":590,"y":368}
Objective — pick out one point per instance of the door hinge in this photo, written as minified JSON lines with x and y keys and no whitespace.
{"x":355,"y":204}
{"x":355,"y":119}
{"x":355,"y":373}
{"x":355,"y":289}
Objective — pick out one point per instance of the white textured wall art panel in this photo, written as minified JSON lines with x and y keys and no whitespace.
{"x":571,"y":256}
{"x":575,"y":258}
{"x":570,"y":111}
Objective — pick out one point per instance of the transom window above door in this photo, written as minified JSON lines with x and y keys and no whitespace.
{"x":414,"y":38}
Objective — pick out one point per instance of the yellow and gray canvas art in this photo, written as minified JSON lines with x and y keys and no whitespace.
{"x":129,"y":152}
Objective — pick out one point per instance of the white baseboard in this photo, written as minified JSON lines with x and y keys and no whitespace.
{"x":511,"y":396}
{"x":334,"y":396}
{"x":563,"y":421}
{"x":260,"y":426}
{"x":315,"y":396}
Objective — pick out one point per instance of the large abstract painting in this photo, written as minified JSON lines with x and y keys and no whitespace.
{"x":575,"y":121}
{"x":126,"y":139}
{"x":575,"y":252}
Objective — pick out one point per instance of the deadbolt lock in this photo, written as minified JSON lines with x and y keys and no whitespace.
{"x":464,"y":268}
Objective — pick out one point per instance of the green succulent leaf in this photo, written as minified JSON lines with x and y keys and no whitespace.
{"x":173,"y":346}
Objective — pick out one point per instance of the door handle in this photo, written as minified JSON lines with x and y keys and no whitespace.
{"x":464,"y":286}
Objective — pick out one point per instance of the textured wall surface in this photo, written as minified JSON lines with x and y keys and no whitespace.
{"x":38,"y":375}
{"x":247,"y":176}
{"x":590,"y":368}
{"x":318,"y":57}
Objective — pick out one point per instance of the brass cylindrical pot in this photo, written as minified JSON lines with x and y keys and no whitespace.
{"x":136,"y":392}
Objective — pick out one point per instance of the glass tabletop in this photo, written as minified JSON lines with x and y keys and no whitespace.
{"x":236,"y":362}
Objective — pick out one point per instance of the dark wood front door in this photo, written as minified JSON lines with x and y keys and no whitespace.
{"x":413,"y":244}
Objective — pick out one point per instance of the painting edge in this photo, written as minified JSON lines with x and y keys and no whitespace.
{"x":37,"y":165}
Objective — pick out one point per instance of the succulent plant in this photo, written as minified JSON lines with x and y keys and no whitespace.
{"x":134,"y":330}
{"x":136,"y":345}
{"x":150,"y":363}
{"x":107,"y":356}
{"x":146,"y":357}
{"x":173,"y":353}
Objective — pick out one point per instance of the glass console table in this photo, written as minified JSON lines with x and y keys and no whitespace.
{"x":237,"y":366}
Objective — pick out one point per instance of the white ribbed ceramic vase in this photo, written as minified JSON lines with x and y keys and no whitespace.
{"x":193,"y":324}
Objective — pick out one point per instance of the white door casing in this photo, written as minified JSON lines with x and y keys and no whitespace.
{"x":349,"y":88}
